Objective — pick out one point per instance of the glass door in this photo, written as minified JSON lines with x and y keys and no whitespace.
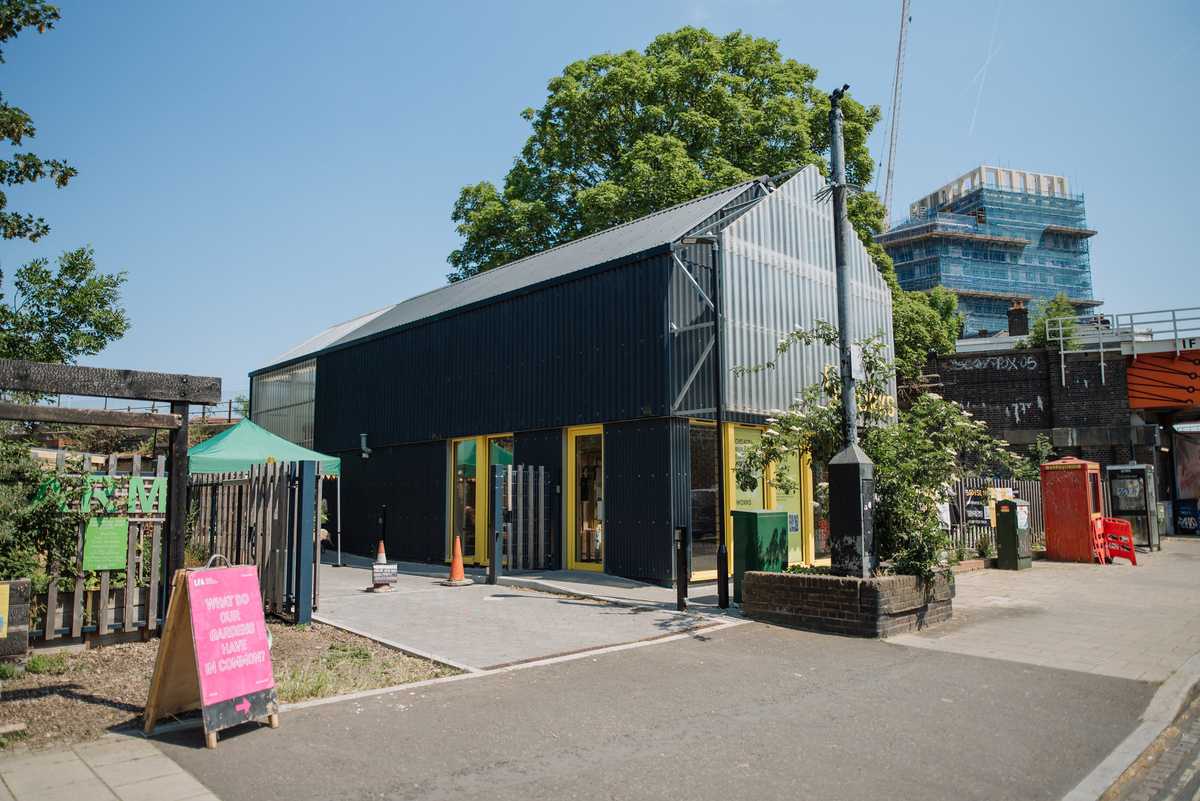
{"x":585,"y":504}
{"x":463,"y":498}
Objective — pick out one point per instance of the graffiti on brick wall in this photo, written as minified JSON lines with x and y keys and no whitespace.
{"x":994,"y":363}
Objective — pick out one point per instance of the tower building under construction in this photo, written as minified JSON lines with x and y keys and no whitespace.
{"x":995,"y":237}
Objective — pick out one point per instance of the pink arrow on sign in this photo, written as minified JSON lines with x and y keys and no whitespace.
{"x":244,"y":706}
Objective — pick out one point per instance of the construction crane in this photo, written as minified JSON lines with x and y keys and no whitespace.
{"x":905,"y":18}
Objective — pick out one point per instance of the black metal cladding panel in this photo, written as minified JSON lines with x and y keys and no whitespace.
{"x":540,"y":449}
{"x":646,"y":495}
{"x":587,"y":351}
{"x":411,"y":481}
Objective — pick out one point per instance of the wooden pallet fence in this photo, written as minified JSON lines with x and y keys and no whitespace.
{"x":253,"y":518}
{"x":96,"y":614}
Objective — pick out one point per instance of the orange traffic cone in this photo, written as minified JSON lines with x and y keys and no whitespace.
{"x":382,"y":574}
{"x":458,"y":578}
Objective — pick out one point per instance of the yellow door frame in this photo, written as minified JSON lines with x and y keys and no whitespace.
{"x":572,"y":496}
{"x":483,"y":499}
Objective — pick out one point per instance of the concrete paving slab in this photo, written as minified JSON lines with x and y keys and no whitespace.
{"x":37,"y":777}
{"x":484,"y":626}
{"x":92,"y":790}
{"x":109,"y":750}
{"x":1113,"y":620}
{"x":138,"y":770}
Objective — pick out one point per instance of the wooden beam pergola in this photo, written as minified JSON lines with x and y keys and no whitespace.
{"x":178,"y":390}
{"x":71,"y":379}
{"x":87,"y":417}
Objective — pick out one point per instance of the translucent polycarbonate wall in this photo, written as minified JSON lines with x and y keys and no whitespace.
{"x":778,"y":272}
{"x":282,"y":401}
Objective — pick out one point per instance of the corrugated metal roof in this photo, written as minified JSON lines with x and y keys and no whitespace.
{"x":325,"y":338}
{"x":609,"y":245}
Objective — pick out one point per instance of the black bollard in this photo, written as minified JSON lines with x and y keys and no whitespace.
{"x":681,"y":569}
{"x":722,"y":576}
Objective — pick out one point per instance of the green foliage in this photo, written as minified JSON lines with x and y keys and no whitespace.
{"x":51,"y":664}
{"x":623,"y":135}
{"x":58,"y":315}
{"x":32,"y":525}
{"x":916,"y":459}
{"x":8,"y":671}
{"x":1040,"y":453}
{"x":984,"y":546}
{"x":97,"y":439}
{"x":1044,"y":310}
{"x":241,"y":405}
{"x":16,"y":126}
{"x":199,"y":431}
{"x":922,"y":325}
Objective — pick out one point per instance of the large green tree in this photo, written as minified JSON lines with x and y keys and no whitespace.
{"x":623,"y":135}
{"x":57,"y":314}
{"x":16,"y":126}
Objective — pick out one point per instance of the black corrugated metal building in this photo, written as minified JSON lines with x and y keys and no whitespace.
{"x":593,"y":360}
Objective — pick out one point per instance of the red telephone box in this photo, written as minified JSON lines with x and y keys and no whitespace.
{"x":1071,"y":501}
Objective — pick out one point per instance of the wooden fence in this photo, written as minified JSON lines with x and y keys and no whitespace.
{"x":969,"y":508}
{"x":261,"y":517}
{"x":97,"y":608}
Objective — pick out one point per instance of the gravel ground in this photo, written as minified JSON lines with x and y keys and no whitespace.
{"x":84,"y":694}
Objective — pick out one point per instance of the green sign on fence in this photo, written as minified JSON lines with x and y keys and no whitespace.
{"x":106,"y":543}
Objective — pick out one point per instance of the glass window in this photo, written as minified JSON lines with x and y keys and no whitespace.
{"x":462,"y":513}
{"x":589,"y":498}
{"x":705,"y":531}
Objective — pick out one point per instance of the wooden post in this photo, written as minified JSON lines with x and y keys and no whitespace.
{"x":177,"y":475}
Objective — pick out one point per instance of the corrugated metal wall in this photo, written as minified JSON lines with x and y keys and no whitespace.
{"x":778,"y":271}
{"x":411,"y":481}
{"x":648,"y":489}
{"x":591,"y":350}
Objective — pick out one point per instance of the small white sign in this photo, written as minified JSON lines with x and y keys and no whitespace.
{"x":857,"y":371}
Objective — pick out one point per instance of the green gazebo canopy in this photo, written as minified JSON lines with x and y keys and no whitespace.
{"x":233,"y":451}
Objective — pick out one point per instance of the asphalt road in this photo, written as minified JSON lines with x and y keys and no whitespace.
{"x":750,"y":712}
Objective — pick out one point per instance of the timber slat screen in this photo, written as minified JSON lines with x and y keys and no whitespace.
{"x":253,"y":518}
{"x":97,"y":607}
{"x":969,"y":502}
{"x":527,"y":494}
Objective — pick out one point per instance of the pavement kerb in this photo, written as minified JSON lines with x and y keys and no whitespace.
{"x":1175,"y":694}
{"x":165,"y":728}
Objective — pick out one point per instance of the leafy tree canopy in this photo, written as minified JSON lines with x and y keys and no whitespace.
{"x":1043,"y":310}
{"x":59,"y":314}
{"x":16,"y":126}
{"x":624,"y":135}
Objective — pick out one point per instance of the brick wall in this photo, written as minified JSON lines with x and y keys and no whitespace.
{"x":1024,"y":390}
{"x":876,"y":607}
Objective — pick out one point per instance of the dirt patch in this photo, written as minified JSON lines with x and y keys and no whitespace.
{"x":82,"y":695}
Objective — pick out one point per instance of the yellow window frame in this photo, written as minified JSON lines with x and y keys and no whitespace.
{"x":571,"y":497}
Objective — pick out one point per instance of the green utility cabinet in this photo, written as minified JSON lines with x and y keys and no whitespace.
{"x":760,"y":542}
{"x":1012,"y":535}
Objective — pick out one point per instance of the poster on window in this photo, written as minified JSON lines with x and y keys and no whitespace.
{"x":1187,"y":467}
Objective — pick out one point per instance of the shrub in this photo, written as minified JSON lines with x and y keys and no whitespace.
{"x":917,"y":457}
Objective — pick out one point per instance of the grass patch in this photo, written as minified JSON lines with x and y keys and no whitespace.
{"x":50,"y":664}
{"x":8,"y":671}
{"x":303,"y":683}
{"x":10,"y":740}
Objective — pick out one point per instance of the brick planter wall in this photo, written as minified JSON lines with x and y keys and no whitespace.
{"x":877,"y":607}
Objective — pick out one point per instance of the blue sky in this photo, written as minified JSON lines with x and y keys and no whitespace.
{"x":263,"y":170}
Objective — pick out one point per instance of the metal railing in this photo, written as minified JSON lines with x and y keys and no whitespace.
{"x":1106,"y":333}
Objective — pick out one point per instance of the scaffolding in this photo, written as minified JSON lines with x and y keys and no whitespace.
{"x":993,"y":245}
